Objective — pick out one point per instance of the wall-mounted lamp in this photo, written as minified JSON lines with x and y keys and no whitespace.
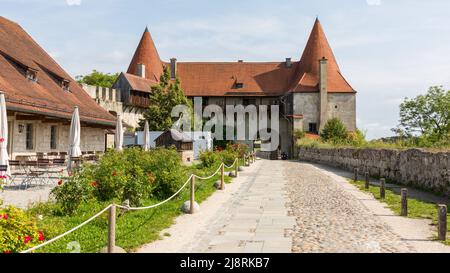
{"x":21,"y":127}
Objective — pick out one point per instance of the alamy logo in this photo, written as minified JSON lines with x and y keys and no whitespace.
{"x":241,"y":123}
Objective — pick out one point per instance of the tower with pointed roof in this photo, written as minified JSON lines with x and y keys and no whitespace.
{"x":147,"y":56}
{"x":310,"y":90}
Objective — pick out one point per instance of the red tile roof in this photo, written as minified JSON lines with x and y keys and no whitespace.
{"x":138,"y":83}
{"x":306,"y":77}
{"x":219,"y":79}
{"x":258,"y":79}
{"x":45,"y":96}
{"x":147,"y":54}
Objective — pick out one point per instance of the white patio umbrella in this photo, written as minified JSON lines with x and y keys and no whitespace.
{"x":118,"y":138}
{"x":74,"y":137}
{"x":146,"y":137}
{"x":4,"y":158}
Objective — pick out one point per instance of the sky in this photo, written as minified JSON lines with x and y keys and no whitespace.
{"x":386,"y":49}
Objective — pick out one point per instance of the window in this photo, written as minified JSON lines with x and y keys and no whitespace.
{"x":247,"y":102}
{"x":65,"y":84}
{"x":53,"y":132}
{"x":29,"y":136}
{"x":313,"y":128}
{"x":239,"y":85}
{"x":32,"y":75}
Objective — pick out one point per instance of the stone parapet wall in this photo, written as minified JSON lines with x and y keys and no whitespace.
{"x":422,"y":169}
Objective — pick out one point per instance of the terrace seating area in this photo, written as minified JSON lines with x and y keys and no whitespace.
{"x":43,"y":169}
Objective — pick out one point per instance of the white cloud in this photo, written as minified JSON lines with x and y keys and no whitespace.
{"x":73,"y":2}
{"x":373,"y":2}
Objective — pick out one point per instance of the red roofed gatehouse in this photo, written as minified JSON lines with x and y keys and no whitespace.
{"x":309,"y":91}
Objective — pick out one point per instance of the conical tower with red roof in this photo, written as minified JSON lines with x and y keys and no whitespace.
{"x":306,"y":77}
{"x":147,"y":55}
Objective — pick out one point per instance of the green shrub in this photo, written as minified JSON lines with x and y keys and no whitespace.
{"x":132,"y":175}
{"x":71,"y":192}
{"x":18,"y":231}
{"x":167,"y":168}
{"x":357,"y":138}
{"x":240,"y":149}
{"x":228,"y":156}
{"x":334,"y":131}
{"x":299,"y":134}
{"x":209,"y":159}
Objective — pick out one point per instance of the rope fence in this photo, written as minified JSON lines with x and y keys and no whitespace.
{"x":112,"y":207}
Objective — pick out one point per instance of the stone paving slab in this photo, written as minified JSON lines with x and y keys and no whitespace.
{"x":257,"y":220}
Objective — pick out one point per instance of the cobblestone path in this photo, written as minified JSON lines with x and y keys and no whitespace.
{"x":329,"y":219}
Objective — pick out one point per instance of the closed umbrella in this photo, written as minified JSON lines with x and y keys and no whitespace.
{"x":74,"y":137}
{"x":4,"y":158}
{"x":146,"y":137}
{"x":119,"y":134}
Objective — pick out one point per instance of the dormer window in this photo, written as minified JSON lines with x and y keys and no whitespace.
{"x":239,"y":85}
{"x":65,"y":84}
{"x":31,"y":75}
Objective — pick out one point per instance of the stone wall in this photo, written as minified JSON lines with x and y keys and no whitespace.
{"x":417,"y":168}
{"x":92,"y":139}
{"x":340,"y":105}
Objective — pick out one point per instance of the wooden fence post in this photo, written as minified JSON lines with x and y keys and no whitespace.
{"x":442,"y":222}
{"x":112,"y":229}
{"x":404,"y":202}
{"x":192,"y":195}
{"x":355,"y":174}
{"x":367,"y":179}
{"x":222,"y":177}
{"x":382,"y":188}
{"x":236,"y":167}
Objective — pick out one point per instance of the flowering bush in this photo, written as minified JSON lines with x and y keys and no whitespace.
{"x":71,"y":192}
{"x":18,"y":231}
{"x":238,"y":148}
{"x":128,"y":175}
{"x":228,"y":156}
{"x":210,"y":159}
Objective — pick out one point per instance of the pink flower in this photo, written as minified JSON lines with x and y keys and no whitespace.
{"x":7,"y":252}
{"x":3,"y":177}
{"x":60,"y":182}
{"x":5,"y":216}
{"x":27,"y":239}
{"x":2,"y":139}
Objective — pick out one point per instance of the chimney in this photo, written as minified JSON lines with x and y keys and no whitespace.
{"x":141,"y":70}
{"x":323,"y":88}
{"x":288,"y":62}
{"x":240,"y":61}
{"x":173,"y":68}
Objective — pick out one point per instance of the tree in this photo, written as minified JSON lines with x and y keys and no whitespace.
{"x":334,"y":131}
{"x":426,"y":115}
{"x":98,"y":79}
{"x":163,"y":98}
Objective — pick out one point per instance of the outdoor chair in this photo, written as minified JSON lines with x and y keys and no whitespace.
{"x":76,"y":161}
{"x":59,"y":166}
{"x":34,"y":173}
{"x":52,"y":155}
{"x":18,"y":172}
{"x":40,"y":155}
{"x":47,"y":167}
{"x":59,"y":162}
{"x":63,"y":155}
